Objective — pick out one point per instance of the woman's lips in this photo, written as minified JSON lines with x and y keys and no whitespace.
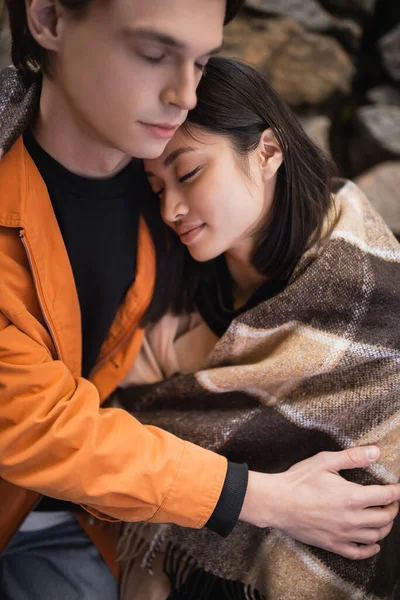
{"x":189,"y":236}
{"x":160,"y":130}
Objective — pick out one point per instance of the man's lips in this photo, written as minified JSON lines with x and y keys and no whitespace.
{"x":165,"y":125}
{"x":162,"y":130}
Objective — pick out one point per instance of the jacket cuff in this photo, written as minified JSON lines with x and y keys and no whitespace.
{"x":195,"y":490}
{"x":227,"y":511}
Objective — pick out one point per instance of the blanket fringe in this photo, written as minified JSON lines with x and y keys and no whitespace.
{"x":154,"y":548}
{"x":190,"y":582}
{"x":132,"y":541}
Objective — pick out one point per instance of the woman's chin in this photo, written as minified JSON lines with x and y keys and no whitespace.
{"x":202,"y":254}
{"x":206,"y":246}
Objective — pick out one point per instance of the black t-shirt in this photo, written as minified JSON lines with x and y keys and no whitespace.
{"x":98,"y":220}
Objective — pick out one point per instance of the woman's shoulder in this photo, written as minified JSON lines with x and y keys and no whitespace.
{"x":359,"y":225}
{"x":175,"y":344}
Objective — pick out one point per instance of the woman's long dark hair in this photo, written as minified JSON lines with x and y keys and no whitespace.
{"x":234,"y":101}
{"x":31,"y":59}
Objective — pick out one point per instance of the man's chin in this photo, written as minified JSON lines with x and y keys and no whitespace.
{"x":150,"y":149}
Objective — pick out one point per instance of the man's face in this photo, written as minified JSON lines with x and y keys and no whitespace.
{"x":128,"y":70}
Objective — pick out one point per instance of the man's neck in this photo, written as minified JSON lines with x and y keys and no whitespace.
{"x":69,"y":141}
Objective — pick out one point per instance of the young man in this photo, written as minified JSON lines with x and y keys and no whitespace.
{"x":77,"y":272}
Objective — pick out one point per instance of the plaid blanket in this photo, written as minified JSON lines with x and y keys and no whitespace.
{"x":315,"y":368}
{"x":18,"y":104}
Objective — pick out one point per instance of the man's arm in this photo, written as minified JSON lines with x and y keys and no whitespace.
{"x":55,"y":439}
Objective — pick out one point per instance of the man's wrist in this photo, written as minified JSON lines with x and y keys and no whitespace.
{"x":258,"y":506}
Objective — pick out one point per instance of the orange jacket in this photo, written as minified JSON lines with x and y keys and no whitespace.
{"x":54,"y":437}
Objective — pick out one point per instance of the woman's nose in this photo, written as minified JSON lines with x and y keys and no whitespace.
{"x":173,"y":208}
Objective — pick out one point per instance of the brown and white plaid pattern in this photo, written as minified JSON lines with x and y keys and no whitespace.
{"x":315,"y":368}
{"x":18,"y":104}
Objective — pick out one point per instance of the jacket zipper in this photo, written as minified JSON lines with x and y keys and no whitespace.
{"x":42,"y":308}
{"x":47,"y":321}
{"x":113,"y":351}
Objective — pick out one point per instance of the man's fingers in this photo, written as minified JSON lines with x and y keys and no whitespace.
{"x":378,"y":495}
{"x":379,"y":517}
{"x":352,"y":458}
{"x":372,"y":535}
{"x":356,"y":552}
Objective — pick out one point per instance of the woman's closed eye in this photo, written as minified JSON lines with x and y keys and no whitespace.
{"x":182,"y":179}
{"x":189,"y":175}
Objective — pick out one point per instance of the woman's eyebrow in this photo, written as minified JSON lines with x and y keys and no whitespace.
{"x":176,"y":153}
{"x":172,"y":157}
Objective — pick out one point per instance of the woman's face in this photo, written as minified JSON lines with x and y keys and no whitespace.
{"x":211,"y":202}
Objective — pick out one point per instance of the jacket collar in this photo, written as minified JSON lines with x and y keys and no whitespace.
{"x":18,"y":105}
{"x":26,"y":206}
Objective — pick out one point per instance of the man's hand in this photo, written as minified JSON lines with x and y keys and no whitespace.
{"x":312,"y":503}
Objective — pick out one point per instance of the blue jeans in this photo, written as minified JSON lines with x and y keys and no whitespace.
{"x":57,"y":563}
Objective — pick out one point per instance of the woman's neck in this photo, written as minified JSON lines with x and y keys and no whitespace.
{"x":245,"y":276}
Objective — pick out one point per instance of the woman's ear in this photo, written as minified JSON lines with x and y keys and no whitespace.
{"x":270,"y":155}
{"x":43,"y":20}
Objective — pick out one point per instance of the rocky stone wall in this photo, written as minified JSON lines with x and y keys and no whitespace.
{"x":337,"y":64}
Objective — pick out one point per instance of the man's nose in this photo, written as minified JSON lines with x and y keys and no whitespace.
{"x":182,"y":91}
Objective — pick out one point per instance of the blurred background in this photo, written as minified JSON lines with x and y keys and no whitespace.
{"x":337,"y":64}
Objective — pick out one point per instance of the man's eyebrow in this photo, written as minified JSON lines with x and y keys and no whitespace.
{"x":163,"y":38}
{"x":172,"y":157}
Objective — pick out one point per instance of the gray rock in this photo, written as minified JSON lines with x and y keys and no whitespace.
{"x":377,"y":136}
{"x":311,"y":15}
{"x":381,"y":185}
{"x":5,"y":38}
{"x":5,"y":46}
{"x":358,"y":7}
{"x":384,"y":94}
{"x":303,"y":67}
{"x":389,"y":46}
{"x":317,"y":128}
{"x":382,"y":123}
